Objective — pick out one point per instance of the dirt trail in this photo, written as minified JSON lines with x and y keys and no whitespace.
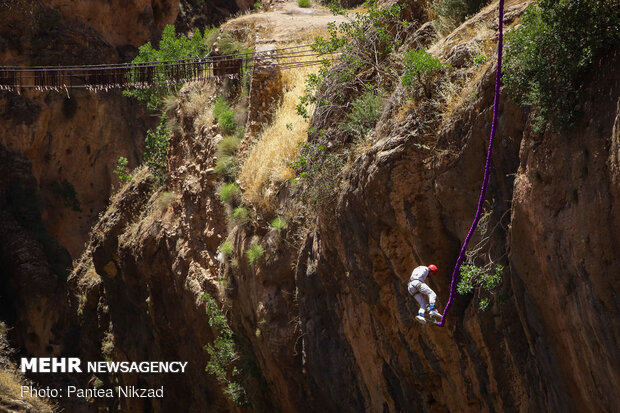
{"x":286,"y":22}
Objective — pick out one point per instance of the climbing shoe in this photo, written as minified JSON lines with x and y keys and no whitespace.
{"x":420,"y":318}
{"x":435,"y":314}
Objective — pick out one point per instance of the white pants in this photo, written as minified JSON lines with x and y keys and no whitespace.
{"x":419,"y":297}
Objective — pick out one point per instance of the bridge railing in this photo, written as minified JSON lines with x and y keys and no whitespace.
{"x":147,"y":74}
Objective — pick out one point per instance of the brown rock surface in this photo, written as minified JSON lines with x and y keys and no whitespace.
{"x":564,"y":247}
{"x":118,"y":21}
{"x":34,"y":266}
{"x":326,"y":324}
{"x":74,"y":142}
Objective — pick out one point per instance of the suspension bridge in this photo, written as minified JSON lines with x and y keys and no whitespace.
{"x":143,"y":75}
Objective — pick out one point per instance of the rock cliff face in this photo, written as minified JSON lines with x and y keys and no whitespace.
{"x":325,"y":323}
{"x":74,"y":140}
{"x":403,"y":208}
{"x":329,"y":324}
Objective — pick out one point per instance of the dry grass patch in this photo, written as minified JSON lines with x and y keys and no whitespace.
{"x":11,"y":398}
{"x":198,"y":102}
{"x":268,"y":162}
{"x":11,"y":381}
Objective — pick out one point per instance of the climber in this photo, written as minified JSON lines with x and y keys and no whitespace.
{"x":417,"y":288}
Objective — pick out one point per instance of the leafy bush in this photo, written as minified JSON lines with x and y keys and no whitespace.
{"x":364,"y":41}
{"x":227,"y":121}
{"x":480,"y":59}
{"x":550,"y":52}
{"x":278,"y":223}
{"x":228,"y":192}
{"x":455,"y":11}
{"x":219,"y":105}
{"x":254,"y":253}
{"x":420,"y":69}
{"x":484,"y":303}
{"x":224,"y":115}
{"x":226,"y":248}
{"x":223,"y":354}
{"x":241,"y":214}
{"x":121,"y":170}
{"x":227,"y":166}
{"x":319,"y":170}
{"x":171,"y":47}
{"x":365,"y":112}
{"x":474,"y":277}
{"x":303,"y":3}
{"x":156,"y":152}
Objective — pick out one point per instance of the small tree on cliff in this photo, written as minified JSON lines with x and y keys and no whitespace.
{"x":171,"y":47}
{"x":550,"y":53}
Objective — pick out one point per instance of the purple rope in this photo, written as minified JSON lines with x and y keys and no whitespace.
{"x":487,"y":168}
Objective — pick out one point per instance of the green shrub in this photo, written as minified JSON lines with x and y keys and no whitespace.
{"x":224,"y":115}
{"x":219,"y":105}
{"x":254,"y":253}
{"x":228,"y":145}
{"x":226,"y":166}
{"x":226,"y":43}
{"x":241,"y":215}
{"x":548,"y":55}
{"x":223,"y":353}
{"x":226,"y":248}
{"x":278,"y":223}
{"x":227,"y":121}
{"x":455,"y":11}
{"x":365,"y":112}
{"x":164,"y":200}
{"x":156,"y":152}
{"x":303,"y":3}
{"x":420,"y":69}
{"x":364,"y":41}
{"x":171,"y":47}
{"x":107,"y":345}
{"x":228,"y":192}
{"x":121,"y":170}
{"x":480,"y":59}
{"x":479,"y":279}
{"x":319,"y":171}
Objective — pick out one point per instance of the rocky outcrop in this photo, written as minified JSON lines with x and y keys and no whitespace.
{"x":408,"y":204}
{"x":158,"y":299}
{"x":74,"y":139}
{"x":120,"y":23}
{"x":30,"y":285}
{"x":210,"y":13}
{"x":265,"y":92}
{"x":563,"y":243}
{"x":323,"y":321}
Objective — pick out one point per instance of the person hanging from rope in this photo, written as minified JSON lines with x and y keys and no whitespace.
{"x":418,"y":289}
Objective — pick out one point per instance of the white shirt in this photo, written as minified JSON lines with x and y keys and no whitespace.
{"x":420,"y":273}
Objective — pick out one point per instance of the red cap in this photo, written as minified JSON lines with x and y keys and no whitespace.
{"x":433,"y":268}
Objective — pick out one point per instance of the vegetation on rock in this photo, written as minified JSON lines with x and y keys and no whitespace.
{"x":156,"y":151}
{"x":223,"y":353}
{"x":254,"y":253}
{"x":548,"y":55}
{"x":171,"y":47}
{"x":420,"y":69}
